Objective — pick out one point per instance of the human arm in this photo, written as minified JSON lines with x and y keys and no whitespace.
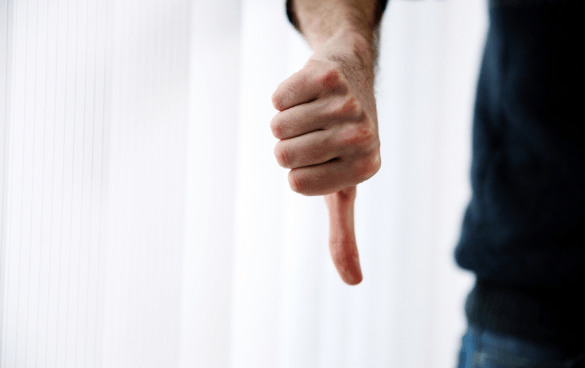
{"x":327,"y":122}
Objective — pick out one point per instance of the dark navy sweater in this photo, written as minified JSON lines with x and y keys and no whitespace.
{"x":523,"y":234}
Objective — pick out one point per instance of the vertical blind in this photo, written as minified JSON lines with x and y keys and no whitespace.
{"x":54,"y":134}
{"x":145,"y":221}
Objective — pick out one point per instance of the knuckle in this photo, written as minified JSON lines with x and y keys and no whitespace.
{"x":285,"y":91}
{"x":376,"y":163}
{"x":331,"y":78}
{"x":367,"y":133}
{"x":277,"y":100}
{"x":294,"y":182}
{"x":368,"y":167}
{"x":363,"y":169}
{"x":282,"y":156}
{"x":361,"y":135}
{"x":351,"y":107}
{"x":291,"y":88}
{"x":276,"y":128}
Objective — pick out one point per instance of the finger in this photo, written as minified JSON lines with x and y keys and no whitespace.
{"x":309,"y":149}
{"x":301,"y":119}
{"x":306,"y":85}
{"x":342,"y":243}
{"x":332,"y":176}
{"x":322,"y":179}
{"x":319,"y":114}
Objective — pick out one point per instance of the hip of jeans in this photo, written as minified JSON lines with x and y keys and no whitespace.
{"x":483,"y":348}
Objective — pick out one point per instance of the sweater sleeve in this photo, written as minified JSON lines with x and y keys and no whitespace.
{"x":382,"y":4}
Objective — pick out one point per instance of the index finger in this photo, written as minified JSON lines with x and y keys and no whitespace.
{"x":306,"y":85}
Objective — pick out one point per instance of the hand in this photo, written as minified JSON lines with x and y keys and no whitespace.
{"x":328,"y":130}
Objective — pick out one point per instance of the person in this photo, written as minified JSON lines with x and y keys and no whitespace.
{"x":521,"y":234}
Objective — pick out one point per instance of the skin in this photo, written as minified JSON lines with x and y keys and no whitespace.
{"x":327,"y":122}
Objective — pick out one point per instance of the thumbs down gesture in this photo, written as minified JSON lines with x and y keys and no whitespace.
{"x":327,"y":128}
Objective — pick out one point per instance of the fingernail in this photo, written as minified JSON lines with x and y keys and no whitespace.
{"x":353,"y":279}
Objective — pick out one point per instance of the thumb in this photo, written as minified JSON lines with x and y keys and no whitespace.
{"x":342,"y":243}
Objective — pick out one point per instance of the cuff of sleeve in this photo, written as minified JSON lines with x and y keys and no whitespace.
{"x":290,"y":14}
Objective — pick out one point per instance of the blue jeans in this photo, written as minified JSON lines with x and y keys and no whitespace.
{"x":487,"y":349}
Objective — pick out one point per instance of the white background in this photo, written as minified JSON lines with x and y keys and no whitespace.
{"x":146,"y":223}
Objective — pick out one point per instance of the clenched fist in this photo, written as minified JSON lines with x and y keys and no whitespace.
{"x":327,"y":128}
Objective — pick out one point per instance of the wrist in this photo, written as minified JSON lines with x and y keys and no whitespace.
{"x":353,"y":53}
{"x":350,"y":43}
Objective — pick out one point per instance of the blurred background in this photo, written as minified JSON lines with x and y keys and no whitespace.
{"x":146,"y":223}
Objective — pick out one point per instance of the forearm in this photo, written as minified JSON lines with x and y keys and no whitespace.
{"x":353,"y":22}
